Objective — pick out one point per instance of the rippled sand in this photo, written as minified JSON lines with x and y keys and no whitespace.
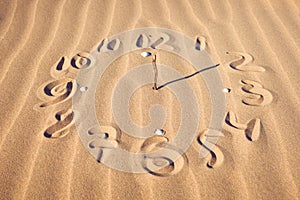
{"x":257,"y":46}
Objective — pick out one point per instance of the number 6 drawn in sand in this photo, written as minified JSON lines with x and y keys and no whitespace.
{"x":167,"y":166}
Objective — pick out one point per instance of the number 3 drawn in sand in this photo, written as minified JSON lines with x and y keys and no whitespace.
{"x":259,"y":96}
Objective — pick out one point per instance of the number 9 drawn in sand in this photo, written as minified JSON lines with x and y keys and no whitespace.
{"x":123,"y":43}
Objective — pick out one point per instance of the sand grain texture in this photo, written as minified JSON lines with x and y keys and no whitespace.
{"x":257,"y":156}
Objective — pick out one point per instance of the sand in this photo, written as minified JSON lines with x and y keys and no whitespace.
{"x":257,"y":46}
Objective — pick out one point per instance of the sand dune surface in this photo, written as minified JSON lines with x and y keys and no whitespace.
{"x":44,"y":44}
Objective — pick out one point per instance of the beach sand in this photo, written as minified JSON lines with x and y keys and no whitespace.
{"x":257,"y":46}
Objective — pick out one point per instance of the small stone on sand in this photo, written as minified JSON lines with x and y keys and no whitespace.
{"x":159,"y":132}
{"x":226,"y":90}
{"x":83,"y":89}
{"x":145,"y":54}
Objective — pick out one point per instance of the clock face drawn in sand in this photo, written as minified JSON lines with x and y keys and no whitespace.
{"x":103,"y":144}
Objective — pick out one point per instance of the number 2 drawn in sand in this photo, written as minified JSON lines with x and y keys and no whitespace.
{"x":244,"y":62}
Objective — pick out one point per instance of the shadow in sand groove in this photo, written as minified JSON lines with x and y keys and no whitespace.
{"x":188,"y":76}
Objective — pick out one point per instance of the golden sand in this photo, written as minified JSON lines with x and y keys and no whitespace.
{"x":257,"y":46}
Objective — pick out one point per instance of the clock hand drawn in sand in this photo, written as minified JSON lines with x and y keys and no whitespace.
{"x":98,"y":142}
